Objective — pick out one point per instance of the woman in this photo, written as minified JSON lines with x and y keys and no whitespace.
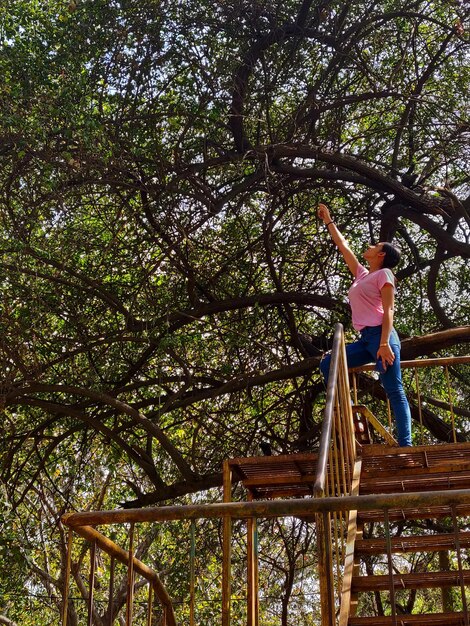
{"x":371,"y":297}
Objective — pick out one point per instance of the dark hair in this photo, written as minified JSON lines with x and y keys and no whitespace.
{"x":392,"y":255}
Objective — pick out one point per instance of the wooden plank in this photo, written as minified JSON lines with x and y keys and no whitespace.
{"x":423,"y":458}
{"x":421,"y":580}
{"x":272,"y":471}
{"x":438,"y":362}
{"x":281,"y":492}
{"x":280,"y":480}
{"x":401,"y":545}
{"x":429,"y":482}
{"x":374,"y":422}
{"x":413,"y":467}
{"x":278,"y":459}
{"x":433,"y":619}
{"x":412,"y":513}
{"x":376,"y":450}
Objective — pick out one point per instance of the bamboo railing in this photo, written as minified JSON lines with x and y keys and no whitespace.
{"x":424,"y":379}
{"x":83,"y":524}
{"x":334,"y":507}
{"x":335,"y":472}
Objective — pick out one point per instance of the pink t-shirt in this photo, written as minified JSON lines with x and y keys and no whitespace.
{"x":365,"y":297}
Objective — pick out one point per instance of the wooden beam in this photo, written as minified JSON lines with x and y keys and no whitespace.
{"x":438,"y":362}
{"x":268,"y":508}
{"x":68,"y":563}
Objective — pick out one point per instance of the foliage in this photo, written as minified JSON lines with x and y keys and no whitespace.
{"x":160,"y":254}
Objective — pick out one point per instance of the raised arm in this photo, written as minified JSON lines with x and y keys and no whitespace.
{"x":339,"y":240}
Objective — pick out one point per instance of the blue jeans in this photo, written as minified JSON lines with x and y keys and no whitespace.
{"x":363,"y":351}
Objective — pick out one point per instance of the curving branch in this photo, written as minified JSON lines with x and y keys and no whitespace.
{"x":387,"y":184}
{"x":105,"y":398}
{"x":178,"y":319}
{"x":434,"y":270}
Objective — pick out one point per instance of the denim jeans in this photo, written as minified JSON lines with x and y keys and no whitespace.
{"x":363,"y":351}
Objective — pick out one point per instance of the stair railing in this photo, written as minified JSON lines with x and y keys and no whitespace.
{"x":430,"y":392}
{"x":84,"y":525}
{"x":334,"y":477}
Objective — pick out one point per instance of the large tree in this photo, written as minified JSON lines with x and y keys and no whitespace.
{"x":162,"y":261}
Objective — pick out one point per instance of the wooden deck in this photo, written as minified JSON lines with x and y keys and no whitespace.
{"x":384,"y":470}
{"x":419,"y":469}
{"x":282,"y":476}
{"x":422,"y":469}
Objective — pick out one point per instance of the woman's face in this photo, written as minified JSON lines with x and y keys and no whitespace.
{"x":373,"y":252}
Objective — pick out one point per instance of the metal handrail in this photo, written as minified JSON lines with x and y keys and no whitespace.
{"x":325,"y":438}
{"x":334,"y":476}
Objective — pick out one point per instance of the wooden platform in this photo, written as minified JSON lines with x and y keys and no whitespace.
{"x":402,"y":545}
{"x":420,"y":580}
{"x":385,"y":469}
{"x":436,"y":619}
{"x":267,"y":477}
{"x":388,"y":470}
{"x":422,"y":468}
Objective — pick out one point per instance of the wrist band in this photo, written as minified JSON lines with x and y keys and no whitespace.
{"x":383,"y":344}
{"x":332,"y":222}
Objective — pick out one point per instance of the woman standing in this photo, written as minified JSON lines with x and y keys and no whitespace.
{"x":371,"y":297}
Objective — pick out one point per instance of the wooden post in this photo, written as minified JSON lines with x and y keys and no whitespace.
{"x":460,"y":565}
{"x":111,"y":592}
{"x":354,"y":379}
{"x":192,"y":573}
{"x":346,"y":401}
{"x":388,"y":542}
{"x":68,"y":563}
{"x":420,"y":410}
{"x":325,"y":570}
{"x":346,"y":599}
{"x":130,"y":577}
{"x":91,"y":583}
{"x":252,"y":574}
{"x":226,"y":547}
{"x":150,"y":605}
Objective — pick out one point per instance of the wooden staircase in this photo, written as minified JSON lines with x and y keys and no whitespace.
{"x":387,"y":470}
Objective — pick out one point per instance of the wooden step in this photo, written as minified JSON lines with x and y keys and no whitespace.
{"x":420,"y":543}
{"x":397,"y":515}
{"x":387,"y":460}
{"x":421,"y":580}
{"x":276,"y":476}
{"x":433,"y":619}
{"x":406,"y":483}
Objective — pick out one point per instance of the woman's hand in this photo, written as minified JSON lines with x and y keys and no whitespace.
{"x":385,"y":353}
{"x":324,"y":213}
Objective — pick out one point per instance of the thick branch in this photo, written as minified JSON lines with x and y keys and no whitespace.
{"x":104,"y":398}
{"x":428,"y":344}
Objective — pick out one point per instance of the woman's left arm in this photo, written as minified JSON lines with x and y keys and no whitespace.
{"x":388,"y":300}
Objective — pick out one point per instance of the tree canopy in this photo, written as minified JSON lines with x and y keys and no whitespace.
{"x":161,"y":257}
